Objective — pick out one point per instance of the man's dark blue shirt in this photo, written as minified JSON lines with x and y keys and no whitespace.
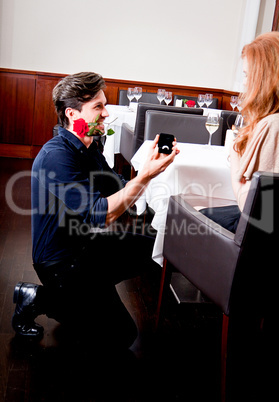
{"x":70,"y":183}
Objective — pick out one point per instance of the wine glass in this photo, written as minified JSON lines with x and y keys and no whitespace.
{"x":208,"y":99}
{"x":130,"y":94}
{"x":201,"y":100}
{"x":168,"y":97}
{"x":137,"y":93}
{"x":239,"y":102}
{"x":212,"y":124}
{"x":238,"y":124}
{"x":161,"y":95}
{"x":233,"y":102}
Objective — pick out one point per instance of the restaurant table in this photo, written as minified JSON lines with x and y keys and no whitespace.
{"x":125,"y":114}
{"x":122,"y":114}
{"x":197,"y":170}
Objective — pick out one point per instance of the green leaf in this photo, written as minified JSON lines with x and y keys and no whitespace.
{"x":95,"y":131}
{"x":110,"y":131}
{"x":92,"y":130}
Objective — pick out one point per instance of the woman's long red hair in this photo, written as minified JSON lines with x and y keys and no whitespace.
{"x":261,"y":97}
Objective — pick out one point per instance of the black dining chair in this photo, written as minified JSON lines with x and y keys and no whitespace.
{"x":229,"y":117}
{"x":131,"y":140}
{"x":237,"y":272}
{"x":185,"y":127}
{"x":214,"y":104}
{"x":147,"y":97}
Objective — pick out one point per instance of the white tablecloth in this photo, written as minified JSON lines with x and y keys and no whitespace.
{"x":123,"y":115}
{"x":198,"y":169}
{"x":206,"y":111}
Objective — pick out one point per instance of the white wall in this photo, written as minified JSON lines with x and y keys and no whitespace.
{"x":184,"y":42}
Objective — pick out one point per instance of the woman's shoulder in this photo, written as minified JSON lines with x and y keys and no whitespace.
{"x":268,"y":126}
{"x":270,"y":120}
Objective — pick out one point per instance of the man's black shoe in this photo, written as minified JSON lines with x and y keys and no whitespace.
{"x":26,"y":311}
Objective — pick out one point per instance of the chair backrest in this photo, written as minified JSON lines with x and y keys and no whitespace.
{"x":259,"y":219}
{"x":255,"y":285}
{"x":140,"y":119}
{"x":185,"y":127}
{"x":147,"y":97}
{"x":234,"y":271}
{"x":214,"y":104}
{"x":229,"y":117}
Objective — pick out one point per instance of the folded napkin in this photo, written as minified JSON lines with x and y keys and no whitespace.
{"x":178,"y":102}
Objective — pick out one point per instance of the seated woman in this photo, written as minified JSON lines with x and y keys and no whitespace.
{"x":256,"y":147}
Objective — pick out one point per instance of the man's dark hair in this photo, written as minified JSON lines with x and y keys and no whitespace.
{"x":75,"y":90}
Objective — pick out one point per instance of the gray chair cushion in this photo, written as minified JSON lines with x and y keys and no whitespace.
{"x":127,"y":142}
{"x":227,"y":268}
{"x":185,"y":127}
{"x":140,"y":120}
{"x":204,"y":253}
{"x":228,"y":120}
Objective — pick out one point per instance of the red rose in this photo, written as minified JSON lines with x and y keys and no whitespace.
{"x":80,"y":127}
{"x":191,"y":103}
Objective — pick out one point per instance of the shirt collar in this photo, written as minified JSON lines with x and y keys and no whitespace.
{"x":75,"y":141}
{"x":71,"y":138}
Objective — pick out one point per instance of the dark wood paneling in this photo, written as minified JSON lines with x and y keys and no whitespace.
{"x":17,"y":96}
{"x":111,"y":93}
{"x":275,"y":23}
{"x":16,"y":151}
{"x":27,"y":114}
{"x":45,"y":116}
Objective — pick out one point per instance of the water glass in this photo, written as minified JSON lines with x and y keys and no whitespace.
{"x":137,"y":93}
{"x":161,"y":95}
{"x":168,"y":97}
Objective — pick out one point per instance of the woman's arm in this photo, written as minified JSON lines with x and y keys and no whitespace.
{"x":240,"y":187}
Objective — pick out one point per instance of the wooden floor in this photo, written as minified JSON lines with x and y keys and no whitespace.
{"x":180,"y":362}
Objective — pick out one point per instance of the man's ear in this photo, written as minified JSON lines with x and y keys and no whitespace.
{"x":70,"y":113}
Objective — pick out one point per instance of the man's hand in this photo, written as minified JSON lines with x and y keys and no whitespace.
{"x":126,"y":197}
{"x":157,"y":162}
